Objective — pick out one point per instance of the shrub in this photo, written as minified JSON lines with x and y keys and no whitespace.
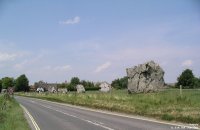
{"x":121,"y":83}
{"x":92,"y":88}
{"x":167,"y":117}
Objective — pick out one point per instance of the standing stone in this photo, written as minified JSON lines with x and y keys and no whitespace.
{"x":80,"y":88}
{"x":105,"y":87}
{"x":62,"y":90}
{"x":147,"y":77}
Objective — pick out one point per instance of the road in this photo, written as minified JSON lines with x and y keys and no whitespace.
{"x":57,"y":116}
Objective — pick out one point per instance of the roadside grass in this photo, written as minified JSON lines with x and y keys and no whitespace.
{"x":166,"y":105}
{"x":11,"y":115}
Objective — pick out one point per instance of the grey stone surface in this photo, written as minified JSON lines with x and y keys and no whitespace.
{"x":105,"y":87}
{"x":147,"y":77}
{"x":4,"y":91}
{"x":80,"y":88}
{"x":62,"y":90}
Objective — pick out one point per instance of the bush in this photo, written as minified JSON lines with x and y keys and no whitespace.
{"x":71,"y":87}
{"x":167,"y":117}
{"x":92,"y":88}
{"x":7,"y":82}
{"x":121,"y":83}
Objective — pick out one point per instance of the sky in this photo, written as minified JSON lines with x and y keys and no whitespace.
{"x":97,"y":40}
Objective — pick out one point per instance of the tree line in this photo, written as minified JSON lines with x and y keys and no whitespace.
{"x":21,"y":83}
{"x":71,"y":86}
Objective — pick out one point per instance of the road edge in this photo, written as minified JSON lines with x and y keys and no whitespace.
{"x":180,"y":125}
{"x":31,"y":121}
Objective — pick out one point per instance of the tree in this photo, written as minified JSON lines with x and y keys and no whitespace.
{"x":22,"y":83}
{"x":84,"y":83}
{"x":7,"y":82}
{"x":62,"y":85}
{"x":196,"y":82}
{"x":89,"y":86}
{"x":121,"y":83}
{"x":0,"y":85}
{"x":186,"y":79}
{"x":72,"y":85}
{"x":75,"y":81}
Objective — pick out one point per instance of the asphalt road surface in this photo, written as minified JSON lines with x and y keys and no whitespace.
{"x":56,"y":116}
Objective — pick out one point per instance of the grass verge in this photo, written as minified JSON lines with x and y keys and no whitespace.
{"x":11,"y":115}
{"x":166,"y":105}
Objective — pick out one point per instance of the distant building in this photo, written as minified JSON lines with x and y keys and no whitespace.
{"x":50,"y":87}
{"x":39,"y":90}
{"x":105,"y":87}
{"x":32,"y":88}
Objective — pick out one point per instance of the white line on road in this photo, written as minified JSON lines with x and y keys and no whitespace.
{"x":119,"y":114}
{"x":122,"y":115}
{"x":32,"y":119}
{"x":88,"y":121}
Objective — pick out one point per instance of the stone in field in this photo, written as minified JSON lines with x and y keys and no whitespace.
{"x":105,"y":87}
{"x":80,"y":88}
{"x":147,"y":77}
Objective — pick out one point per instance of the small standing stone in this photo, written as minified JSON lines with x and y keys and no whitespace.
{"x":80,"y":88}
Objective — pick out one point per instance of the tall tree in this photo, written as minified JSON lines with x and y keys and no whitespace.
{"x":75,"y":81}
{"x":186,"y":79}
{"x":22,"y":83}
{"x":0,"y":85}
{"x":7,"y":82}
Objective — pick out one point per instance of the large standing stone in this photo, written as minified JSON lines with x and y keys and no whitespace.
{"x":147,"y":77}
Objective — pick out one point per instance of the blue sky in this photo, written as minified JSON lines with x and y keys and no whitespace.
{"x":97,"y":39}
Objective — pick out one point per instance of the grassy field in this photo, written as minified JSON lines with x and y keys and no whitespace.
{"x":165,"y":105}
{"x":11,"y":115}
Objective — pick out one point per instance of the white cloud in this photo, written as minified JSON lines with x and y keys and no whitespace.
{"x":74,"y":20}
{"x":58,"y":68}
{"x":28,"y":62}
{"x":187,"y":63}
{"x":7,"y":56}
{"x":19,"y":66}
{"x":102,"y":67}
{"x":62,"y":68}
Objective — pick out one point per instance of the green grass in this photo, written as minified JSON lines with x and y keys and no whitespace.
{"x":11,"y":115}
{"x":165,"y":105}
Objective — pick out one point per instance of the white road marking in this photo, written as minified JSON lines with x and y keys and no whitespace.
{"x":32,"y":119}
{"x":120,"y":115}
{"x":97,"y":124}
{"x":91,"y":122}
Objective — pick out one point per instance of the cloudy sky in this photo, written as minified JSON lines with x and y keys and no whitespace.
{"x":54,"y":40}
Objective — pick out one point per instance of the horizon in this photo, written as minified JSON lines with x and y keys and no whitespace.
{"x":97,"y":40}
